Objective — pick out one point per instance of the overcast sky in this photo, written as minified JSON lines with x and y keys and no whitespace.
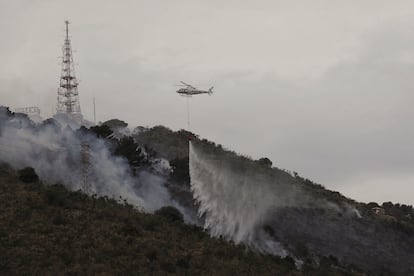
{"x":324,"y":88}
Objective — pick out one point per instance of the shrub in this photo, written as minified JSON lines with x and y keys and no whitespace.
{"x":265,"y":162}
{"x":168,"y":267}
{"x":28,"y":175}
{"x":115,"y":123}
{"x":183,"y":262}
{"x":170,"y":213}
{"x":102,"y":131}
{"x":58,"y":220}
{"x":56,"y":195}
{"x":180,"y":168}
{"x":152,"y":255}
{"x":128,"y":148}
{"x":289,"y":262}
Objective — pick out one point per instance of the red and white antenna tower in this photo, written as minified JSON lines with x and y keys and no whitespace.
{"x":68,"y":96}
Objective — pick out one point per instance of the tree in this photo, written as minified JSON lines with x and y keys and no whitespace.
{"x":115,"y":123}
{"x":266,"y":162}
{"x":180,"y":170}
{"x":170,"y":213}
{"x":101,"y":131}
{"x":28,"y":175}
{"x":129,"y":149}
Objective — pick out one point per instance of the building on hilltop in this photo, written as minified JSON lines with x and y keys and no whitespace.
{"x":33,"y":112}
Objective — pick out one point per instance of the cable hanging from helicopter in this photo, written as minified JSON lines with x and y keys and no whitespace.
{"x":187,"y":90}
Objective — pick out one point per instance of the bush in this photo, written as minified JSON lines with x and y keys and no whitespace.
{"x":128,"y":148}
{"x":102,"y":131}
{"x":152,"y":255}
{"x":28,"y":175}
{"x":115,"y":123}
{"x":168,"y":267}
{"x":56,"y":195}
{"x":183,"y":263}
{"x":58,"y":220}
{"x":289,"y":262}
{"x":265,"y":162}
{"x":170,"y":213}
{"x":180,"y":168}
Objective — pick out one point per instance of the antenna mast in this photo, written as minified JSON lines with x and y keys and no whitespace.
{"x":68,"y":96}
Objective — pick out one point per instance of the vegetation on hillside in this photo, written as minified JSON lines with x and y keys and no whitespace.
{"x":174,"y":144}
{"x":82,"y":234}
{"x":45,"y":229}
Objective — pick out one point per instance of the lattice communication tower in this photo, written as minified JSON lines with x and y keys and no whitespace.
{"x":68,"y":96}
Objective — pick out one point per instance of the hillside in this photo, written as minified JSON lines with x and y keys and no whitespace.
{"x":49,"y":230}
{"x":308,"y":220}
{"x":223,"y":197}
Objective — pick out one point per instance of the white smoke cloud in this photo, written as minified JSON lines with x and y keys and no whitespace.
{"x":55,"y":153}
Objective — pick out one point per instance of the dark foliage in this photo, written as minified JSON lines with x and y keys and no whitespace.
{"x":56,"y":195}
{"x":289,"y":262}
{"x":167,"y":143}
{"x":170,"y":213}
{"x":102,"y":131}
{"x":180,"y":170}
{"x":28,"y":175}
{"x":115,"y":123}
{"x":401,"y":212}
{"x":265,"y":162}
{"x":129,"y":149}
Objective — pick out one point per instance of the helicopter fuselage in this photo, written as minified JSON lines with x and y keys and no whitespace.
{"x":189,"y":92}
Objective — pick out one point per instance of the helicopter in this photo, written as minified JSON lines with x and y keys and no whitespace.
{"x":188,"y":90}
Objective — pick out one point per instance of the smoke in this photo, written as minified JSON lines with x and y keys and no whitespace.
{"x":55,"y":153}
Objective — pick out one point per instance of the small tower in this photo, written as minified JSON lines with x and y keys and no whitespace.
{"x":68,"y":96}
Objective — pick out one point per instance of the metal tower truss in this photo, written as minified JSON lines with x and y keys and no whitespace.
{"x":68,"y":96}
{"x":86,"y":186}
